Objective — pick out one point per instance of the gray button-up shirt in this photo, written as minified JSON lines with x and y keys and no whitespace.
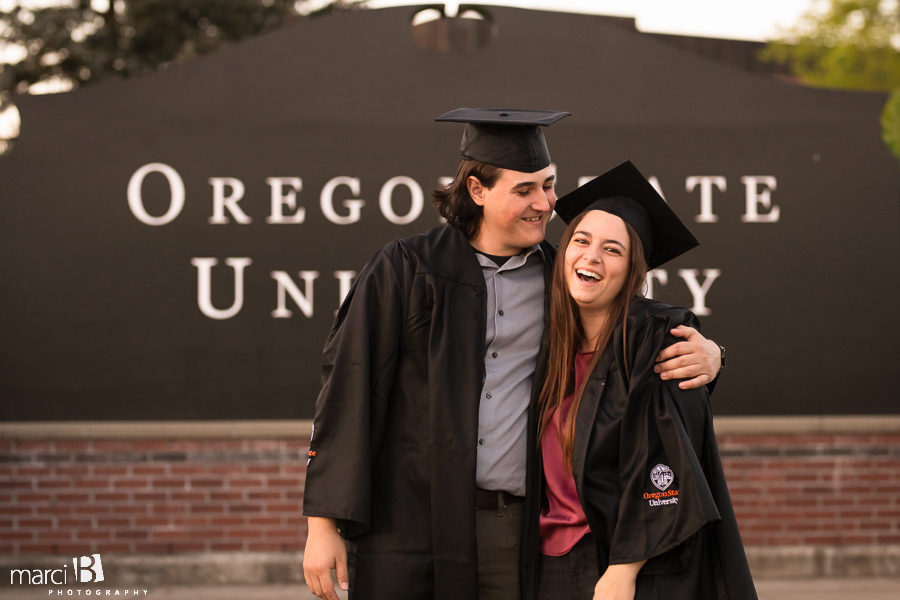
{"x":515,"y":323}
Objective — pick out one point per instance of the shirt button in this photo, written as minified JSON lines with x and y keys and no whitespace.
{"x":493,"y":355}
{"x":481,"y":442}
{"x":500,"y":313}
{"x":488,"y":396}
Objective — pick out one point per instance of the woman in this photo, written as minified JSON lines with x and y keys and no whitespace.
{"x":634,"y":502}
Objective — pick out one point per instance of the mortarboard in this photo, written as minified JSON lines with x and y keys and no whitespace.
{"x":624,"y":192}
{"x":506,"y":138}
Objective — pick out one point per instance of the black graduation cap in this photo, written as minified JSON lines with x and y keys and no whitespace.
{"x":506,"y":138}
{"x":624,"y":192}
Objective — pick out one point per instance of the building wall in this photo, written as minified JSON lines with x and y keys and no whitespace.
{"x":186,"y":488}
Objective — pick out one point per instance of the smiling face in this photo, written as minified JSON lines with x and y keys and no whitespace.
{"x":597,"y":260}
{"x":516,"y":210}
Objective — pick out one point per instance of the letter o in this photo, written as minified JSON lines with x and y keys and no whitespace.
{"x":386,"y":195}
{"x":176,"y":194}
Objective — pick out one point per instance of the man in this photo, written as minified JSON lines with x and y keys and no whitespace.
{"x":424,"y":420}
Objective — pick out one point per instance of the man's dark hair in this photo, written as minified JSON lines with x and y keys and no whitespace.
{"x":454,"y":202}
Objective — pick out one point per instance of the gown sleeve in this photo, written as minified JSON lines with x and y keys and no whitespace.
{"x":666,"y":498}
{"x":359,"y":362}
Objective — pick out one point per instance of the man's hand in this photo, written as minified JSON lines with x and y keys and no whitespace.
{"x":618,"y":582}
{"x":697,"y":358}
{"x":325,"y":550}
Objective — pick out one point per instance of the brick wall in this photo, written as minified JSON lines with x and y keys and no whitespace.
{"x":150,"y":495}
{"x":824,"y":489}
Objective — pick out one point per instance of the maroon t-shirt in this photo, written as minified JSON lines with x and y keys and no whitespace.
{"x":563,"y":522}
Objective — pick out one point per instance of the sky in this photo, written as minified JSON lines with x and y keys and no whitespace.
{"x":736,"y":19}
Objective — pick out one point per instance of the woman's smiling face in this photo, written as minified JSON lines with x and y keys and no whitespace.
{"x":597,"y":260}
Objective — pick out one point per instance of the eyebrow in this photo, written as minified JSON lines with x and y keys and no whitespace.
{"x":528,"y":184}
{"x":588,"y":234}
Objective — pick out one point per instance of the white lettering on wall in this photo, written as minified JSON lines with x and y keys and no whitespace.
{"x":223,"y":202}
{"x":706,"y":183}
{"x":757,"y":198}
{"x":282,"y":199}
{"x":136,"y":200}
{"x":658,"y":274}
{"x":354,"y":206}
{"x":385,"y":200}
{"x":345,"y":282}
{"x":698,"y":290}
{"x":204,"y":286}
{"x":285,"y":285}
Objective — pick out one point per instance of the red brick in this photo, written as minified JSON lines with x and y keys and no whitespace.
{"x":187,"y":470}
{"x":30,"y":523}
{"x":18,"y":484}
{"x":150,"y":522}
{"x":134,"y":534}
{"x":129,"y":510}
{"x":113,"y":522}
{"x":264,"y":520}
{"x":16,"y":535}
{"x":227,"y":469}
{"x":281,"y":482}
{"x":121,"y":484}
{"x":244,"y":508}
{"x":31,"y":471}
{"x":170,"y":509}
{"x":109,"y":471}
{"x":111,"y":497}
{"x":34,"y":498}
{"x":113,"y":547}
{"x":66,"y":523}
{"x":150,"y":496}
{"x":26,"y":548}
{"x":94,"y":535}
{"x":147,"y":470}
{"x":95,"y":484}
{"x":282,"y":507}
{"x":152,"y":445}
{"x":225,"y":496}
{"x":267,"y":495}
{"x":263,"y":469}
{"x":226,"y":546}
{"x":207,"y":483}
{"x":54,"y":535}
{"x":73,"y":497}
{"x":190,"y":522}
{"x":207,"y":508}
{"x":53,"y":509}
{"x":264,"y":547}
{"x":189,"y":496}
{"x":169,"y":483}
{"x":243,"y":533}
{"x":189,"y":546}
{"x":244,"y":483}
{"x":227,"y":520}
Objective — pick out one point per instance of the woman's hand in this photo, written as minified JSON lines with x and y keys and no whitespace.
{"x":325,"y":550}
{"x":617,"y":583}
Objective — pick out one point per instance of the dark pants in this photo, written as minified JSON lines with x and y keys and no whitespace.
{"x":571,"y":576}
{"x":499,"y":532}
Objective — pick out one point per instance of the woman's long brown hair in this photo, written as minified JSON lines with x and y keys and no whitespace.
{"x":567,"y":336}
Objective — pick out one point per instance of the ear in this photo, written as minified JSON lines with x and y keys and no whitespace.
{"x":476,"y":190}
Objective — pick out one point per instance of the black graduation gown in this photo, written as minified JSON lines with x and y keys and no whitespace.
{"x":393,"y":451}
{"x":648,"y":473}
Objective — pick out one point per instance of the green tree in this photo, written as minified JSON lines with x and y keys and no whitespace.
{"x":848,"y":44}
{"x":73,"y":42}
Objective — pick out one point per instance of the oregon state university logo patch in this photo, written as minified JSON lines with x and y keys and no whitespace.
{"x":662,"y":477}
